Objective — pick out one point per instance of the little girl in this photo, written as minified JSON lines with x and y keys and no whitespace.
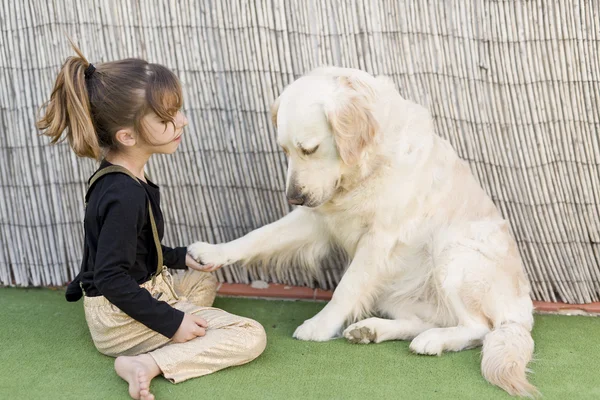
{"x":122,"y":113}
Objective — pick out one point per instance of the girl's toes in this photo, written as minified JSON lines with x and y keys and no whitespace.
{"x":143,"y":381}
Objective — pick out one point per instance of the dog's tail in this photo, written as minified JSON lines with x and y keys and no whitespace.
{"x":506,"y":352}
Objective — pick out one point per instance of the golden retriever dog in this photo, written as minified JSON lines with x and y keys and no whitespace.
{"x":431,"y":260}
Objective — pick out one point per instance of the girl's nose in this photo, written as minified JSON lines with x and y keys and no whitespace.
{"x":182,"y":120}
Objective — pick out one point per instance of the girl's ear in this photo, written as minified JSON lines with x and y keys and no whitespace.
{"x":125,"y":137}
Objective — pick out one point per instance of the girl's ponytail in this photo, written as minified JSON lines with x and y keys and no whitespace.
{"x":68,"y":111}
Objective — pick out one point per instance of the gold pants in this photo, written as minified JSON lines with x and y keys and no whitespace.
{"x":230,"y":340}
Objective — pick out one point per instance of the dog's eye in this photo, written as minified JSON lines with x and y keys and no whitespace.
{"x":308,"y":152}
{"x":285,"y":150}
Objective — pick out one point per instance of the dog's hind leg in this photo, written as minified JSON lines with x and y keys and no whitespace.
{"x":468,"y":334}
{"x":462,"y":300}
{"x":437,"y":340}
{"x":379,"y":330}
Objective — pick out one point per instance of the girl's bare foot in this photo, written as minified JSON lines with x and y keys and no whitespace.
{"x":138,"y":371}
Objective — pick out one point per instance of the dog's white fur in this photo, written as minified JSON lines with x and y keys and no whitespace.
{"x":428,"y":249}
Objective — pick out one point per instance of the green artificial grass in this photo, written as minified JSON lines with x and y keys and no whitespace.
{"x":46,"y":353}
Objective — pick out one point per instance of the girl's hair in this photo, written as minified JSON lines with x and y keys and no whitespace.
{"x":89,"y":104}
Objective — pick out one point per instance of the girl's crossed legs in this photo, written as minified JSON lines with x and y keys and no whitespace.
{"x":142,"y":353}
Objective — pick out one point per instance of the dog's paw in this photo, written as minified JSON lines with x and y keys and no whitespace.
{"x":206,"y":253}
{"x":428,"y":343}
{"x":314,"y":331}
{"x":360,"y":333}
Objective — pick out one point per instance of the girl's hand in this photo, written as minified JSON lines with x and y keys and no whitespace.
{"x":191,"y":327}
{"x":193,"y":264}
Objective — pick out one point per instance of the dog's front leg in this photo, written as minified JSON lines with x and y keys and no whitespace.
{"x":355,"y":292}
{"x":299,"y":231}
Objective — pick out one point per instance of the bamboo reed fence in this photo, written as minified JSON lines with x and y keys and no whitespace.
{"x":513,"y":85}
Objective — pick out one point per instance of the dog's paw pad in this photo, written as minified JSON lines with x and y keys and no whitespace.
{"x":358,"y":334}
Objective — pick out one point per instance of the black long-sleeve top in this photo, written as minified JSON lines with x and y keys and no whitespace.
{"x":120,"y":253}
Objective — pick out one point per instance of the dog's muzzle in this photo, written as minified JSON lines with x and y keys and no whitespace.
{"x":294,"y":193}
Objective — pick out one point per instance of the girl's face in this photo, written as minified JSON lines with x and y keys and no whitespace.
{"x":163,"y":136}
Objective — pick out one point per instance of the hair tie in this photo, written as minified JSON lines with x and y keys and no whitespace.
{"x":89,"y":71}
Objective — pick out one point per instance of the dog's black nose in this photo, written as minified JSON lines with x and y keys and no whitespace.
{"x":296,"y":201}
{"x":294,"y":193}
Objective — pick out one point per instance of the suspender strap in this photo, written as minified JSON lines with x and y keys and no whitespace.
{"x":118,"y":169}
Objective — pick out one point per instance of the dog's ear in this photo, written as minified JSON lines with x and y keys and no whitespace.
{"x":274,"y":110}
{"x":349,"y":115}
